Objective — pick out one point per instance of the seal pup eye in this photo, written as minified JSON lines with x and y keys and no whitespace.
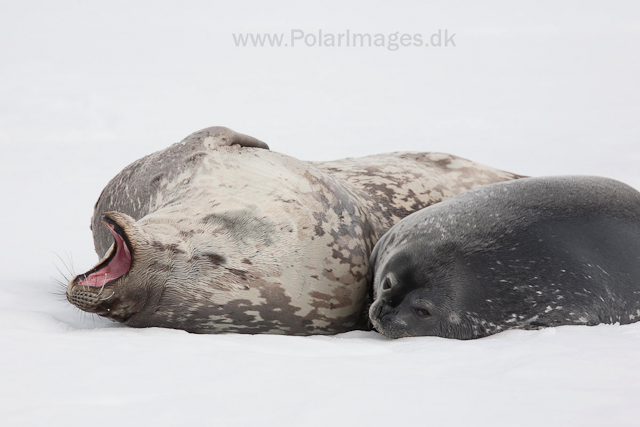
{"x":386,"y":284}
{"x":421,"y":312}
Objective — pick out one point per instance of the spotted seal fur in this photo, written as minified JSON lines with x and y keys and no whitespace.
{"x":218,"y":234}
{"x":527,"y":254}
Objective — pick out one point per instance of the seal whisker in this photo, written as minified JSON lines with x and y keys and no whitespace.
{"x":62,"y":274}
{"x":72,"y":270}
{"x":68,"y":266}
{"x":59,"y":283}
{"x":103,"y":284}
{"x":105,"y":298}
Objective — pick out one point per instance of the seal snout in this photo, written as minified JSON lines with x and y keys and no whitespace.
{"x":380,"y":309}
{"x":385,"y":319}
{"x":375,"y":314}
{"x":87,"y":300}
{"x":90,"y":290}
{"x":383,"y":307}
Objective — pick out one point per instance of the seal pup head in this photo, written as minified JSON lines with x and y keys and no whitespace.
{"x":100,"y":289}
{"x":417,"y":298}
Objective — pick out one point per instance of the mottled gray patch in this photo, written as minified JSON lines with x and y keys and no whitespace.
{"x":243,"y":225}
{"x":216,"y":259}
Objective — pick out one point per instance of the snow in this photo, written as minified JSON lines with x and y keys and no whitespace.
{"x":58,"y":369}
{"x":537,"y":88}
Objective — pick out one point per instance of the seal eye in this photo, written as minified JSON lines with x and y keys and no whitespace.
{"x":421,"y":312}
{"x":386,"y":285}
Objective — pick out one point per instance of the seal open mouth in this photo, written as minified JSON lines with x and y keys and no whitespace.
{"x":113,"y":266}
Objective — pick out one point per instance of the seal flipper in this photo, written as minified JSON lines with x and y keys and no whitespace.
{"x":226,"y":136}
{"x":247,"y":141}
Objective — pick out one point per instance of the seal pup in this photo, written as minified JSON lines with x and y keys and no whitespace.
{"x":531,"y":253}
{"x":218,"y":234}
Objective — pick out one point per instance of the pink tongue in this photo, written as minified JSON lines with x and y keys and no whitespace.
{"x":117,"y":267}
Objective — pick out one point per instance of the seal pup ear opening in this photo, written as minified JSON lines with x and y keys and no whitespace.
{"x":222,"y":136}
{"x":118,"y":259}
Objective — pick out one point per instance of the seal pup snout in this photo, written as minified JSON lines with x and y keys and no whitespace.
{"x":380,"y":309}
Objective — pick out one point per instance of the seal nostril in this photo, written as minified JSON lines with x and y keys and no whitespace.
{"x":421,"y":312}
{"x":386,"y":285}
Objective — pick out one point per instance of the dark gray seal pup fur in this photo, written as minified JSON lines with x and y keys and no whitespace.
{"x":218,"y":234}
{"x":526,"y":254}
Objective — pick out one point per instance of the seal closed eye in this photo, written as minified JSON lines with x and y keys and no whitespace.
{"x":531,"y":253}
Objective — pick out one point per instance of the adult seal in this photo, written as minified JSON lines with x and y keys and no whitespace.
{"x":526,"y":254}
{"x":218,"y":234}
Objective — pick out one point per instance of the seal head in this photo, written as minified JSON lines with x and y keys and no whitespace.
{"x":100,"y":290}
{"x":413,"y":298}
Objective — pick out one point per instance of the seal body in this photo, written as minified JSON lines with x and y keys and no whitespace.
{"x":526,"y":254}
{"x":219,"y":234}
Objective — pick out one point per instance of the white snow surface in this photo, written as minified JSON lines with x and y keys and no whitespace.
{"x":533,"y":87}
